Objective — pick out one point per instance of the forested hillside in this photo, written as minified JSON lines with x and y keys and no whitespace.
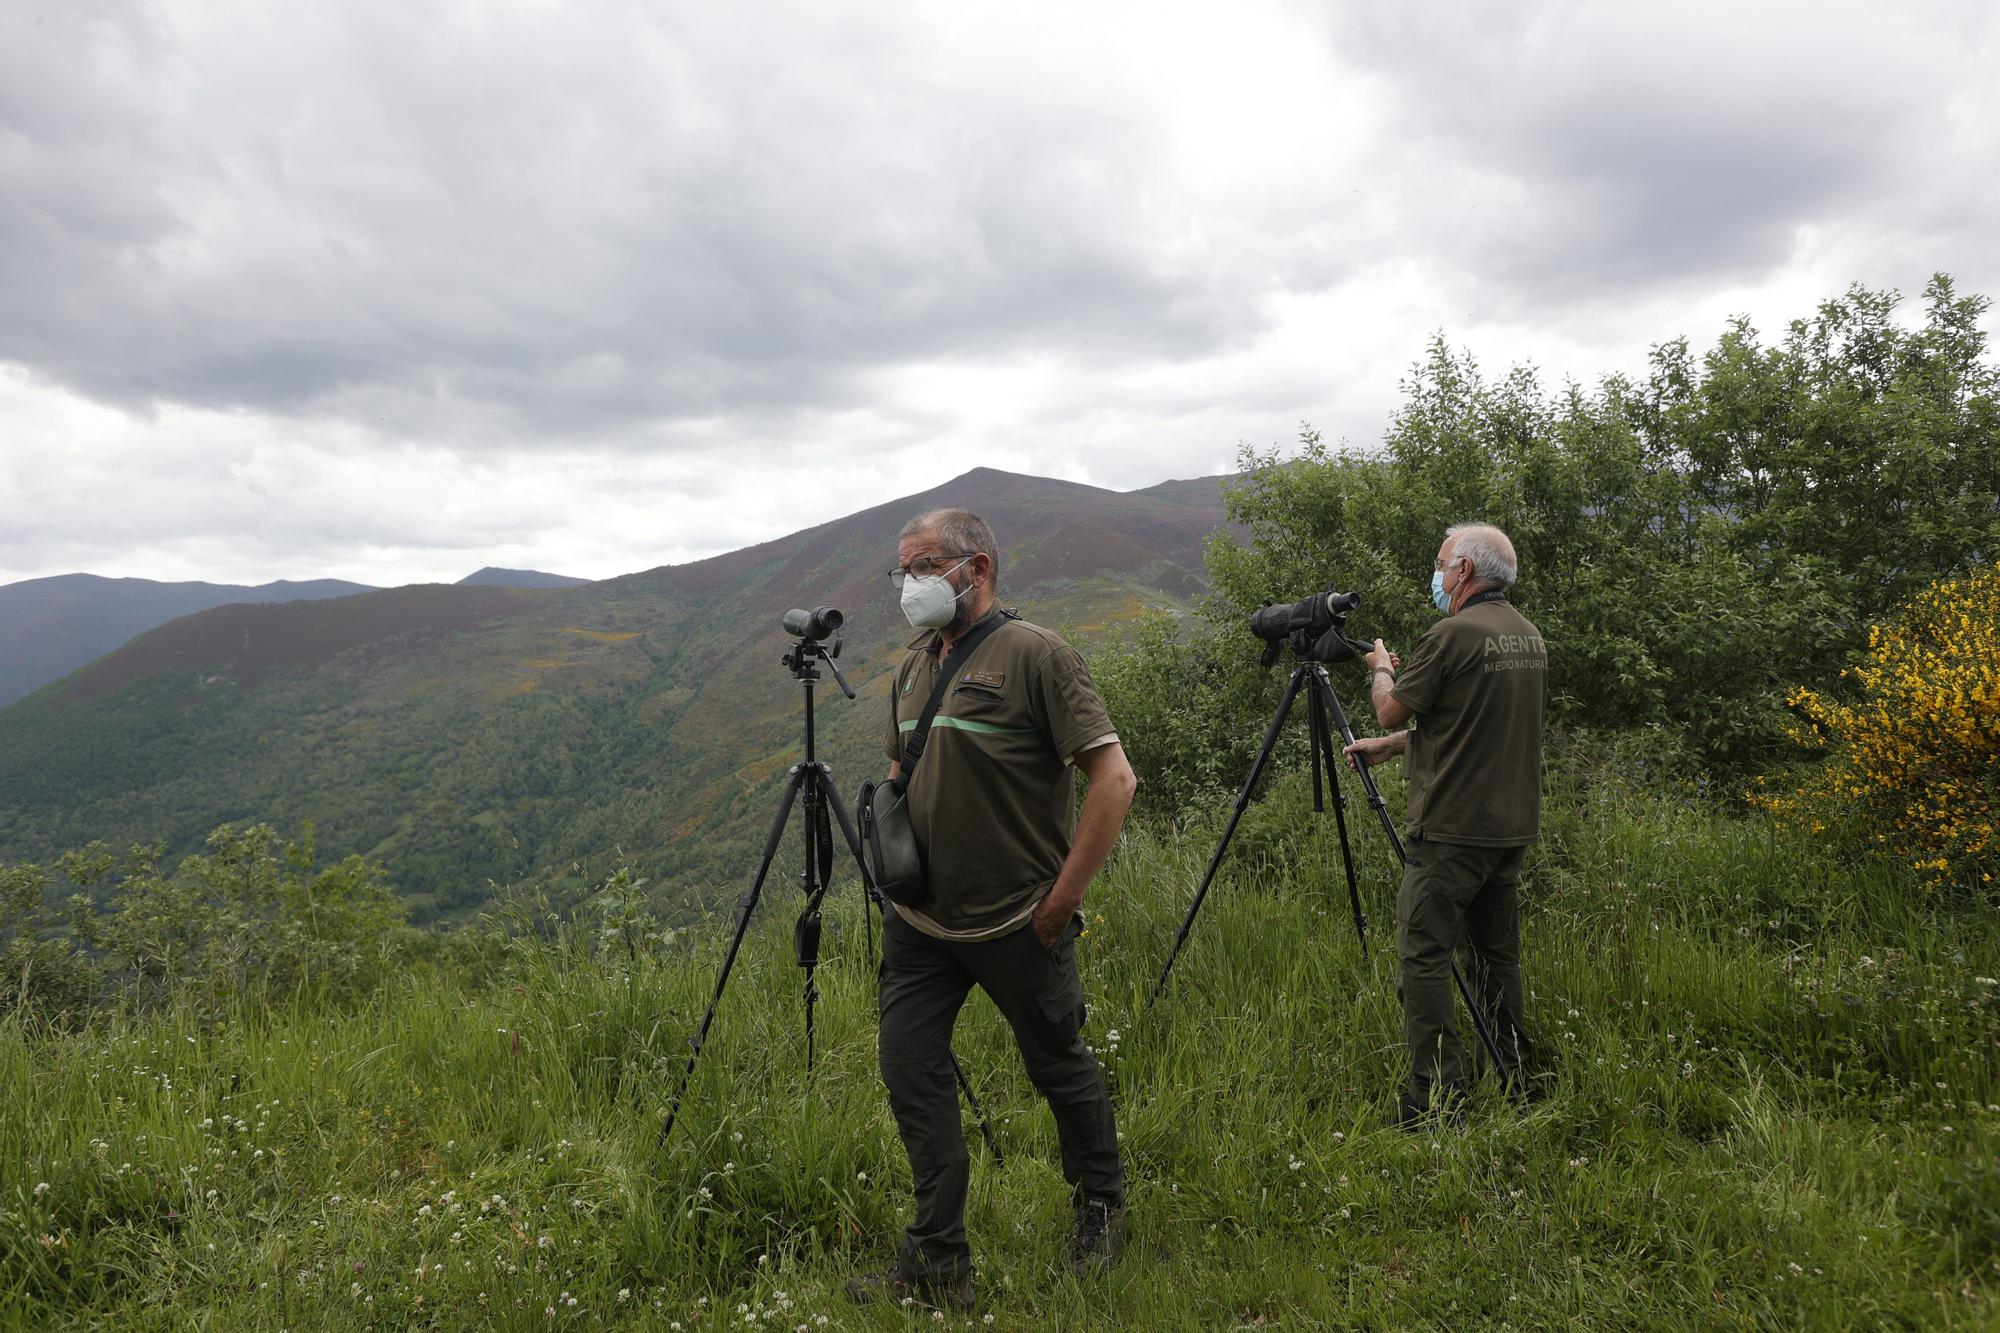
{"x":50,"y":627}
{"x":466,"y":736}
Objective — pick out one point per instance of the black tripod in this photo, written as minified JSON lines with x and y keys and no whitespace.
{"x":1325,"y":706}
{"x":814,"y":780}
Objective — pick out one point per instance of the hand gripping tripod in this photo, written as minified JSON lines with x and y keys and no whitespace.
{"x":814,"y":781}
{"x":1325,"y":706}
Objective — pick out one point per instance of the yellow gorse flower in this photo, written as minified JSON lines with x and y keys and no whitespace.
{"x":1916,"y":756}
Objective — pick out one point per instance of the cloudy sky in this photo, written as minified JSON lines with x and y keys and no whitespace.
{"x":393,"y":289}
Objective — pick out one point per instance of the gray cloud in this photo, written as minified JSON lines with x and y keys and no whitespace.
{"x":589,"y":218}
{"x":383,"y":290}
{"x":1594,"y":152}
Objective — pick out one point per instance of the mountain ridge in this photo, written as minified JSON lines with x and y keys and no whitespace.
{"x":469,"y":736}
{"x":54,"y":625}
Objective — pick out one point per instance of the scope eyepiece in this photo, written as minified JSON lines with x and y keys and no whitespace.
{"x":814,"y":624}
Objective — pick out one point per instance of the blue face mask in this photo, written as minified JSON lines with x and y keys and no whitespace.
{"x":1439,"y":597}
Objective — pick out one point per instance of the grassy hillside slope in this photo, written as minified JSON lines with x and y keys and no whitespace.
{"x":1777,"y":1105}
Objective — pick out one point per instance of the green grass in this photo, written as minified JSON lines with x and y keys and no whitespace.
{"x":1777,"y":1105}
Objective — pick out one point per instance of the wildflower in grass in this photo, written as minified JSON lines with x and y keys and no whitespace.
{"x":41,"y":1189}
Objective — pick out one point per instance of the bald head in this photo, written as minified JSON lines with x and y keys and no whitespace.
{"x":1491,"y":554}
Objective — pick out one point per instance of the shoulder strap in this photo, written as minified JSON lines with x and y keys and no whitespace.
{"x":913,"y":747}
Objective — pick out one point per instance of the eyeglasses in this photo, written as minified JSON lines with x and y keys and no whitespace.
{"x":1442,"y":565}
{"x":926,"y":565}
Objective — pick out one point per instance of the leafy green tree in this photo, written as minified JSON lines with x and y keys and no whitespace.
{"x":1692,"y":546}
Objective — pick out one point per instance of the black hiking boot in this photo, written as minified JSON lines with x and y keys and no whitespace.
{"x":896,"y":1289}
{"x":1442,"y":1111}
{"x":1099,"y":1235}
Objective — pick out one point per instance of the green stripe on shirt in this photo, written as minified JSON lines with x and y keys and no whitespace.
{"x":966,"y":724}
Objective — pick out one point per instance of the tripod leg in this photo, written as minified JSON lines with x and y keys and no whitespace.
{"x":744,"y":907}
{"x":870,"y":895}
{"x":1368,"y":786}
{"x":1323,"y":741}
{"x":1510,"y":1080}
{"x":978,"y":1111}
{"x":806,"y":931}
{"x":1235,"y":817}
{"x":1317,"y":710}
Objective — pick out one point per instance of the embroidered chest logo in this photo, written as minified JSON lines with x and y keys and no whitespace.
{"x":992,"y":680}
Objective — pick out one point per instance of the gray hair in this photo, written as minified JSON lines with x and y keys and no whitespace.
{"x":1491,"y":554}
{"x":957,"y":530}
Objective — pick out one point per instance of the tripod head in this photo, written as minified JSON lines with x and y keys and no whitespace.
{"x":812,"y":627}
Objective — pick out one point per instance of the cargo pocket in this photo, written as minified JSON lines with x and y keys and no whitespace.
{"x":1060,"y":1000}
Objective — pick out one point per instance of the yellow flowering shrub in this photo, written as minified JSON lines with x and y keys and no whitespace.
{"x":1914,"y":754}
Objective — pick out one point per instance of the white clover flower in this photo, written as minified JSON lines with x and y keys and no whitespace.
{"x":41,"y":1189}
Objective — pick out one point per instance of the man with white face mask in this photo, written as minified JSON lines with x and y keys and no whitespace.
{"x":1475,"y":690}
{"x":1008,"y":858}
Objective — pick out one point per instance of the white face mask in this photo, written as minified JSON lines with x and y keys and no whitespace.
{"x":929,"y":602}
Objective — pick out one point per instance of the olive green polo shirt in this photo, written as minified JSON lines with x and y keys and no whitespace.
{"x":993,"y":800}
{"x":1478,"y":684}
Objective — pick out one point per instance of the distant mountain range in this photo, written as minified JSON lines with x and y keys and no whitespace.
{"x":494,"y":577}
{"x":50,"y":627}
{"x":469,"y":735}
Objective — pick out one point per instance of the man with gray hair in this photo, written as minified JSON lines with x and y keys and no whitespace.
{"x":1473,"y":695}
{"x":1007,"y":858}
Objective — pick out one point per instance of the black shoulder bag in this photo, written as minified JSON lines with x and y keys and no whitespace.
{"x":888,"y":840}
